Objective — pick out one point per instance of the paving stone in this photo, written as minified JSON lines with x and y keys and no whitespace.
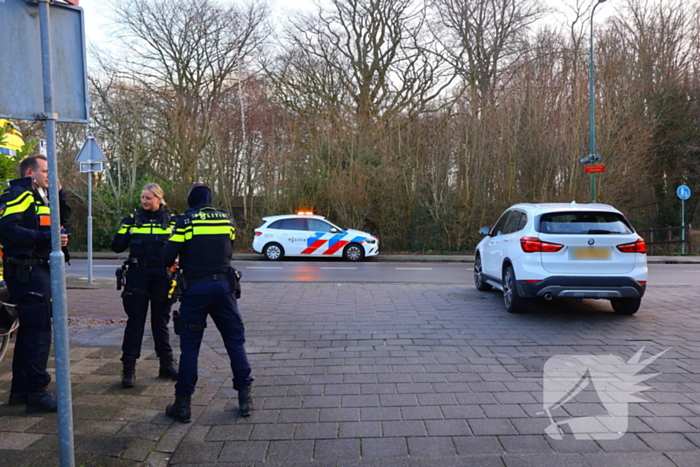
{"x":447,"y":428}
{"x":229,"y":433}
{"x":628,"y":459}
{"x":375,"y":448}
{"x":235,"y":451}
{"x":337,"y":449}
{"x":685,"y":459}
{"x":18,"y":441}
{"x":408,"y":428}
{"x":545,"y":460}
{"x":491,"y":427}
{"x":359,"y":429}
{"x":477,"y":445}
{"x":525,"y":444}
{"x":667,"y":442}
{"x":290,"y":451}
{"x":431,"y":447}
{"x":316,"y":431}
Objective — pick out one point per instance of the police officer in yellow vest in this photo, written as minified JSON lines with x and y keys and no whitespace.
{"x":203,"y":239}
{"x":147,"y":280}
{"x":25,"y":233}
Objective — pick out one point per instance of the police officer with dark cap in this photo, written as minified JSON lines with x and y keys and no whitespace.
{"x":203,"y":238}
{"x":25,"y":233}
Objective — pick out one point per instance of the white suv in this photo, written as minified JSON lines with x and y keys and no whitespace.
{"x":562,"y":250}
{"x":304,"y":234}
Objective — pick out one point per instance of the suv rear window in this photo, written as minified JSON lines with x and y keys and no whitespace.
{"x":589,"y":222}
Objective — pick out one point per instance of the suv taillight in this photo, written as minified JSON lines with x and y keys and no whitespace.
{"x":258,"y":233}
{"x":534,"y":245}
{"x":639,"y":246}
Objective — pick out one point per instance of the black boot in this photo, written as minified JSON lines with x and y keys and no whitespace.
{"x":180,"y":411}
{"x":129,"y":372}
{"x":41,"y":401}
{"x":17,"y":398}
{"x":168,"y":368}
{"x":245,"y":401}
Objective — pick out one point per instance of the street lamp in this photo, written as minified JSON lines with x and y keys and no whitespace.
{"x":592,"y":110}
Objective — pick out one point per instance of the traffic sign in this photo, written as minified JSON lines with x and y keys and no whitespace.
{"x":683,"y":192}
{"x":594,"y":168}
{"x":590,"y":158}
{"x":91,"y":152}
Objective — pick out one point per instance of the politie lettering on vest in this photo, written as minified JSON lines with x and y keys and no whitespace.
{"x":203,"y":239}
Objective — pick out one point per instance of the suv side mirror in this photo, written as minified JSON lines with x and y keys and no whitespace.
{"x":484,"y":231}
{"x":334,"y":230}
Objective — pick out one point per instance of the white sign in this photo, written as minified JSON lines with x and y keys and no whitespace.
{"x":91,"y":151}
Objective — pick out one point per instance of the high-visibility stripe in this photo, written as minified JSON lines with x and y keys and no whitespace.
{"x":332,"y":249}
{"x":211,"y":230}
{"x":150,"y":230}
{"x":317,"y":243}
{"x":19,"y":205}
{"x":43,"y":210}
{"x":21,"y":198}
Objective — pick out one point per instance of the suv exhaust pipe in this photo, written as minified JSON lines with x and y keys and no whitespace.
{"x":548,"y":296}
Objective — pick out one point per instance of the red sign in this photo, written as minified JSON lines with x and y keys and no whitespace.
{"x":594,"y":168}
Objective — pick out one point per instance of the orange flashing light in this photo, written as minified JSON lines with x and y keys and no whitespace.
{"x":305,"y":213}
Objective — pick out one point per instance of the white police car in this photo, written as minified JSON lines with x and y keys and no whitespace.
{"x":304,"y":234}
{"x":562,"y":250}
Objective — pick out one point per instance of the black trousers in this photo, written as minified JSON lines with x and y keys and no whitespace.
{"x":146,"y":286}
{"x":33,"y":342}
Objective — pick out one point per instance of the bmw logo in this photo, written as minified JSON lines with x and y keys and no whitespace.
{"x":591,"y":241}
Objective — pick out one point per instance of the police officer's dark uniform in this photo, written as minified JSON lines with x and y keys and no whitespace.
{"x":25,"y":233}
{"x":203,"y":238}
{"x":145,"y":234}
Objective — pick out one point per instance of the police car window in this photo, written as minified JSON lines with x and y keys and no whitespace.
{"x":317,"y":225}
{"x":293,"y":224}
{"x":276,"y":225}
{"x":523,"y":221}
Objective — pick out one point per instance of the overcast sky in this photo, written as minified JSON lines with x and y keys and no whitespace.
{"x":97,"y":15}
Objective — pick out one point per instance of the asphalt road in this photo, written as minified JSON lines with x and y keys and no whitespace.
{"x":666,"y":275}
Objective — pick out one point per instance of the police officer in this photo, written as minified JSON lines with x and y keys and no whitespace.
{"x":145,"y":233}
{"x":203,"y":238}
{"x":25,"y":233}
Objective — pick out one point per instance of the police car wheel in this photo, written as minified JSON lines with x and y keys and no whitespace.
{"x":353,"y":252}
{"x":273,"y":252}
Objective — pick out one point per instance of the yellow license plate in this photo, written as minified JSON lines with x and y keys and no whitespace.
{"x":592,"y":253}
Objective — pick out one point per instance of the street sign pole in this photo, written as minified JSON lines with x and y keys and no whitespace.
{"x":683,"y":192}
{"x":91,"y":159}
{"x":56,"y":258}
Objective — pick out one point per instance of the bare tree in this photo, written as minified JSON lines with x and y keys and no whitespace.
{"x":186,"y":56}
{"x":371,"y":58}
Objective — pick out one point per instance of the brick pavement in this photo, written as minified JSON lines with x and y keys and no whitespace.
{"x":376,"y":375}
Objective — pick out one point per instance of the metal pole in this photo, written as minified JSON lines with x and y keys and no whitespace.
{"x":591,"y":92}
{"x":89,"y":225}
{"x":56,"y":258}
{"x":683,"y":226}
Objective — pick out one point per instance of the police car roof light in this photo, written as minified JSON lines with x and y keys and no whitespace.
{"x":305,"y":213}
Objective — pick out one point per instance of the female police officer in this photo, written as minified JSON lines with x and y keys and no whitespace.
{"x":145,"y":233}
